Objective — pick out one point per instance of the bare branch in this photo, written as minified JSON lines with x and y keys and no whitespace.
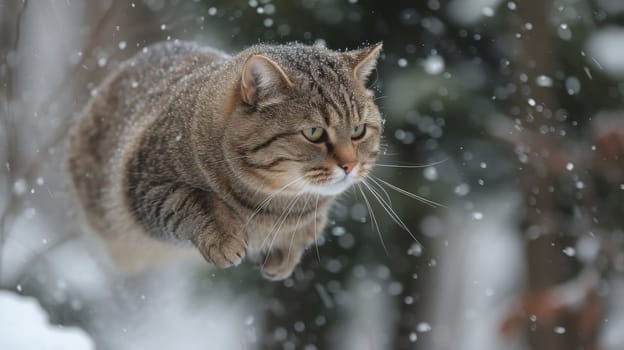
{"x":30,"y":170}
{"x":9,"y":130}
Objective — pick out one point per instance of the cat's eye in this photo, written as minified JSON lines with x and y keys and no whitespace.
{"x":314,"y":134}
{"x":358,"y":131}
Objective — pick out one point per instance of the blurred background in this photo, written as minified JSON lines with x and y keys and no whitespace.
{"x":509,"y":113}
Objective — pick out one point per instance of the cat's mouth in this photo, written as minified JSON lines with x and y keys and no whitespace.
{"x":335,"y":184}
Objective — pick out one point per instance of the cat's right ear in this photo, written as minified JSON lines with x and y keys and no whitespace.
{"x":261,"y":77}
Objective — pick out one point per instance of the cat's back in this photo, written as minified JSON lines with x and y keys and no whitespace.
{"x":131,"y":97}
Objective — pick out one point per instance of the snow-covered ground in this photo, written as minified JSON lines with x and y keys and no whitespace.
{"x":24,"y":325}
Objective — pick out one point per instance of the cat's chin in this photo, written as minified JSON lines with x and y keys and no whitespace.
{"x":331,"y":188}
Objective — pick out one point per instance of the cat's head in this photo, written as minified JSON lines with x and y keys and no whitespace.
{"x":302,"y":120}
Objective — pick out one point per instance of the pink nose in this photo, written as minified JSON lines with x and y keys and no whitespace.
{"x":347,"y":167}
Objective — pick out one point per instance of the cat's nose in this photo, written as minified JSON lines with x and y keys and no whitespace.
{"x":347,"y":167}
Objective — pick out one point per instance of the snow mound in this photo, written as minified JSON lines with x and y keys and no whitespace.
{"x":24,"y":325}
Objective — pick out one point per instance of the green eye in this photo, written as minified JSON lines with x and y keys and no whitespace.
{"x":358,"y":131}
{"x":314,"y":134}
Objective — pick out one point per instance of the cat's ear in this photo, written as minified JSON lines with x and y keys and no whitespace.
{"x":261,"y":77}
{"x":364,"y":61}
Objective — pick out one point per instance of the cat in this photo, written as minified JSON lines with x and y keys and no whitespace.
{"x":239,"y":155}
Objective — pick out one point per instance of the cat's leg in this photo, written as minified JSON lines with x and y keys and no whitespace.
{"x":177,"y":211}
{"x":222,"y":242}
{"x":279,"y":262}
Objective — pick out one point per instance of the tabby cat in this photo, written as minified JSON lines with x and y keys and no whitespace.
{"x":239,"y":155}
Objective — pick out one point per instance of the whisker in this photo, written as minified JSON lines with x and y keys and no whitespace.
{"x":375,"y":182}
{"x":287,"y":212}
{"x":384,"y":152}
{"x":393,"y":215}
{"x":292,"y":237}
{"x":262,"y":205}
{"x":411,"y":166}
{"x":279,"y":222}
{"x":412,"y":195}
{"x":380,"y":97}
{"x":315,"y":240}
{"x":373,"y":219}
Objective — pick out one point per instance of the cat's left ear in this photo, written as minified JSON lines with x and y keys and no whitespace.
{"x":364,"y":61}
{"x":262,"y":77}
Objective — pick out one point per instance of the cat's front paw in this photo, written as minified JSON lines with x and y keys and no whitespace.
{"x":221,"y":249}
{"x":278,"y":264}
